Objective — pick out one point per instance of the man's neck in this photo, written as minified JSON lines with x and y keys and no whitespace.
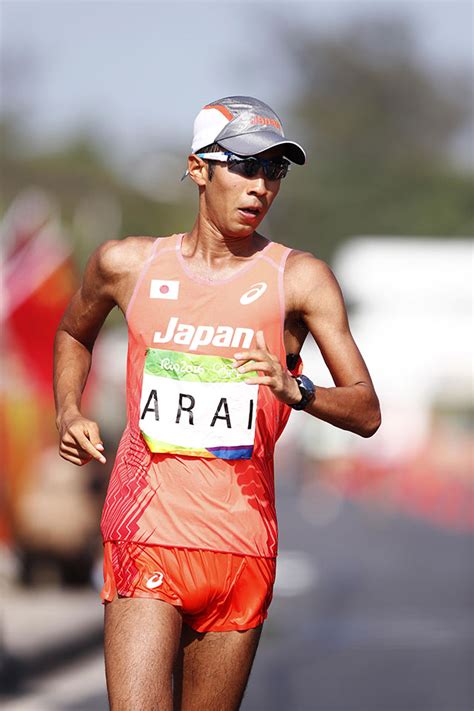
{"x":209,"y":245}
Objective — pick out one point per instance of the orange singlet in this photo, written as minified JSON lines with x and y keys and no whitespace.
{"x":194,"y":467}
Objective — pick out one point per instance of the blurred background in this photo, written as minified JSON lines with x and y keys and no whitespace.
{"x":373,"y":600}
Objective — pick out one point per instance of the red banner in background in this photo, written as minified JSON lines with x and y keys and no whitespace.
{"x":33,"y":323}
{"x":39,"y":281}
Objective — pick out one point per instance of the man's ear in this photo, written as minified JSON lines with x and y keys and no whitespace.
{"x":198,"y":170}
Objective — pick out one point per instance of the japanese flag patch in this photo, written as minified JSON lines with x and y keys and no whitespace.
{"x":164,"y":289}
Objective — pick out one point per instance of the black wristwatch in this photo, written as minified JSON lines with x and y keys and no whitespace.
{"x":307,"y":390}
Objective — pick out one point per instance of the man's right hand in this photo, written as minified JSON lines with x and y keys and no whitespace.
{"x":79,"y":440}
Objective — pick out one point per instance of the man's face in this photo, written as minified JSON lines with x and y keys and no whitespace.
{"x":237,"y":204}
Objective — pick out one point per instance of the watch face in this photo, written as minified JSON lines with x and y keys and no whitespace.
{"x":307,"y":390}
{"x":305,"y":384}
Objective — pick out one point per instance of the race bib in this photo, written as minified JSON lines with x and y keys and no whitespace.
{"x":197,"y":406}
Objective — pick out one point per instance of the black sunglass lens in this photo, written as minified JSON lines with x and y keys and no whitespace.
{"x":247,"y":167}
{"x":250,"y":166}
{"x":275,"y":170}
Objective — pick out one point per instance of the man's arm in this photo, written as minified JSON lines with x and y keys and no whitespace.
{"x":74,"y":341}
{"x":316,"y":298}
{"x":352,"y":404}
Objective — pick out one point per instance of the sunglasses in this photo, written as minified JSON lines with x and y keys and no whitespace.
{"x":273,"y":168}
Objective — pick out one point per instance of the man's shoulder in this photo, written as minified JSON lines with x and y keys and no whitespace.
{"x":307,"y":279}
{"x":305,"y":266}
{"x":122,"y":256}
{"x":117,"y":255}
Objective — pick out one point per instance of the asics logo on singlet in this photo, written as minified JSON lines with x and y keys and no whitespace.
{"x":155,"y":581}
{"x":221,"y":336}
{"x":254,"y":293}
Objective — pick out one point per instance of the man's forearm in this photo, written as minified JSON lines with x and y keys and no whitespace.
{"x":354,"y":408}
{"x":72,"y":362}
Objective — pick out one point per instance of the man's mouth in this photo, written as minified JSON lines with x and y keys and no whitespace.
{"x":250,"y":212}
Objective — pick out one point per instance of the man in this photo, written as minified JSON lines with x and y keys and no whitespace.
{"x":216,"y":320}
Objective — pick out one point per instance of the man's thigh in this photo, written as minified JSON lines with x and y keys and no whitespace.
{"x":212,"y":669}
{"x":141,"y":641}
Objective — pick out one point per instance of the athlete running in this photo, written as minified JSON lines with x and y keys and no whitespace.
{"x":216,"y":319}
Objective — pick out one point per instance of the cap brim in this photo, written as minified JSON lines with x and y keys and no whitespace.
{"x":255,"y":142}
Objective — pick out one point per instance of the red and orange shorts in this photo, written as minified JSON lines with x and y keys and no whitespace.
{"x":215,"y":592}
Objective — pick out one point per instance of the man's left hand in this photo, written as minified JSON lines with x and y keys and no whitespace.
{"x":273,"y":374}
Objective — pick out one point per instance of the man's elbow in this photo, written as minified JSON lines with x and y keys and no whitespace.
{"x":370,"y":416}
{"x":371,"y":423}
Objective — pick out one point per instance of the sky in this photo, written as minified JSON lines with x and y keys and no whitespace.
{"x":138,"y":72}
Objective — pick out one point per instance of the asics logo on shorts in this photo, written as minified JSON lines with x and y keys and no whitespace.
{"x":155,"y":581}
{"x":254,"y":293}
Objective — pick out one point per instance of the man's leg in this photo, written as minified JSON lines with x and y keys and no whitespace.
{"x":212,"y":669}
{"x":141,"y":641}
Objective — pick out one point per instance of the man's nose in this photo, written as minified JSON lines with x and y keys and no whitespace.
{"x":258,"y":186}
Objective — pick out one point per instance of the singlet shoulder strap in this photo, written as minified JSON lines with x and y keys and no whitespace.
{"x":276,"y":254}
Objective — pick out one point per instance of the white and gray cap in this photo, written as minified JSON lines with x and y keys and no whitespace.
{"x":245,"y":126}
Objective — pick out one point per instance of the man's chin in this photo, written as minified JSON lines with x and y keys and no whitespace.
{"x":244,"y":230}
